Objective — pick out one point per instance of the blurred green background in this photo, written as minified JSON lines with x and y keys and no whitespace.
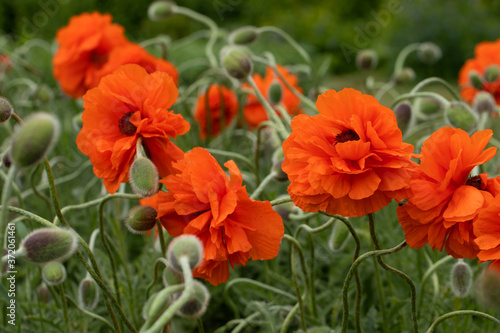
{"x":325,"y":28}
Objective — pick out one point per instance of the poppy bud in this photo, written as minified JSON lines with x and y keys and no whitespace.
{"x":339,"y":237}
{"x":429,"y":52}
{"x":5,"y":110}
{"x":236,"y":62}
{"x":366,"y":59}
{"x":197,"y":303}
{"x":275,"y":92}
{"x":144,"y":177}
{"x":171,"y":276}
{"x":34,"y":139}
{"x":475,"y":80}
{"x":88,"y":294}
{"x":44,"y":94}
{"x":488,"y":288}
{"x":48,"y":244}
{"x":428,"y":105}
{"x":491,"y":73}
{"x":77,"y":122}
{"x":279,"y":174}
{"x":244,"y":36}
{"x":6,"y":159}
{"x":43,"y":293}
{"x":141,"y":219}
{"x":458,"y":114}
{"x":406,"y":75}
{"x":461,"y":279}
{"x":53,"y":273}
{"x":185,"y":245}
{"x":161,"y":10}
{"x":403,"y":115}
{"x":484,"y":102}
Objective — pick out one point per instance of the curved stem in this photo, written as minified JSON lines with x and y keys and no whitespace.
{"x":90,"y":314}
{"x":440,"y":98}
{"x":276,"y":202}
{"x":163,"y":247}
{"x":65,"y":308}
{"x":7,"y":186}
{"x":461,"y":313}
{"x":431,"y":80}
{"x":268,"y":179}
{"x":231,"y":154}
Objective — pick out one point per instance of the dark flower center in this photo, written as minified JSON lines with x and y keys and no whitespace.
{"x":347,"y":135}
{"x":98,"y":59}
{"x":474,"y":182}
{"x":126,"y":127}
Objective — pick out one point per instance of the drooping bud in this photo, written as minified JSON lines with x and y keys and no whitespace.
{"x":236,"y":61}
{"x":429,"y":52}
{"x":141,"y":219}
{"x":161,"y":10}
{"x":88,"y":294}
{"x":144,"y":177}
{"x":366,"y":59}
{"x":6,"y":110}
{"x":48,"y":244}
{"x":428,"y":105}
{"x":279,"y":174}
{"x":461,"y":279}
{"x":339,"y":237}
{"x":185,"y":245}
{"x":491,"y":73}
{"x":459,"y":114}
{"x":403,"y":115}
{"x":275,"y":92}
{"x":171,"y":276}
{"x":34,"y":139}
{"x":44,"y":94}
{"x":43,"y":293}
{"x":405,"y":75}
{"x":197,"y":303}
{"x":53,"y":273}
{"x":475,"y":80}
{"x":244,"y":36}
{"x":484,"y":102}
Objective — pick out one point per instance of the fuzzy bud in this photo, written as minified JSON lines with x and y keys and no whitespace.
{"x":405,"y":75}
{"x":5,"y":110}
{"x":429,"y":52}
{"x":161,"y":10}
{"x":34,"y":139}
{"x":53,"y":273}
{"x":461,"y":279}
{"x":141,"y":219}
{"x":275,"y":92}
{"x":428,"y":105}
{"x":403,"y":115}
{"x":236,"y":62}
{"x":88,"y":294}
{"x":279,"y":174}
{"x":244,"y":36}
{"x":77,"y":122}
{"x":185,"y":245}
{"x":43,"y":293}
{"x":44,"y":94}
{"x":171,"y":276}
{"x":475,"y":80}
{"x":488,"y":288}
{"x":144,"y":177}
{"x":491,"y":73}
{"x":339,"y":237}
{"x":48,"y":244}
{"x":458,"y":114}
{"x":484,"y":102}
{"x":197,"y":303}
{"x":366,"y":59}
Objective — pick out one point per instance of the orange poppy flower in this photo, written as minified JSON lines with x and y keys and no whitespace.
{"x":486,"y":54}
{"x":5,"y":63}
{"x":202,"y":200}
{"x":223,"y":106}
{"x":487,"y":231}
{"x":349,"y":159}
{"x":444,"y":200}
{"x":127,"y":105}
{"x":254,"y":112}
{"x":84,"y":46}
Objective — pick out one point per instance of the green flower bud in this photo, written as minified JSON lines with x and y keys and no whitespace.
{"x":88,"y":294}
{"x":43,"y":293}
{"x":6,"y":110}
{"x":484,"y":102}
{"x":141,"y":219}
{"x":44,"y":94}
{"x":406,"y":75}
{"x":197,"y":303}
{"x":53,"y":273}
{"x":366,"y":59}
{"x":475,"y":80}
{"x":275,"y":92}
{"x":459,"y":114}
{"x":161,"y":10}
{"x":428,"y":105}
{"x":491,"y":73}
{"x":144,"y":177}
{"x":34,"y":139}
{"x":244,"y":36}
{"x":185,"y":245}
{"x":429,"y":52}
{"x":488,"y":289}
{"x":48,"y":244}
{"x":461,"y":279}
{"x":279,"y":174}
{"x":171,"y":276}
{"x":236,"y":61}
{"x":77,"y":122}
{"x":403,"y":115}
{"x":339,"y":237}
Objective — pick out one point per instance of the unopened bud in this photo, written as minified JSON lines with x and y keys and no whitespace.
{"x":244,"y":36}
{"x":458,"y":114}
{"x":275,"y":92}
{"x":428,"y":105}
{"x":48,"y":244}
{"x":236,"y":62}
{"x":6,"y":159}
{"x":5,"y":110}
{"x":141,"y":219}
{"x":88,"y":294}
{"x":171,"y":276}
{"x":475,"y":80}
{"x":43,"y":293}
{"x":197,"y":303}
{"x":53,"y":273}
{"x":405,"y":75}
{"x":161,"y":10}
{"x":34,"y":139}
{"x":44,"y":94}
{"x":461,"y":279}
{"x":488,"y":288}
{"x":339,"y":237}
{"x":366,"y":59}
{"x":185,"y":245}
{"x":144,"y":177}
{"x":403,"y":115}
{"x":279,"y":174}
{"x":429,"y":52}
{"x":484,"y":102}
{"x":77,"y":122}
{"x":491,"y":73}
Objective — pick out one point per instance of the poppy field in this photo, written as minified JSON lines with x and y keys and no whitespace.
{"x":227,"y":181}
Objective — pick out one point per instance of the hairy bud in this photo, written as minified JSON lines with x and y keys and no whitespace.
{"x":144,"y":177}
{"x":366,"y":59}
{"x":141,"y":219}
{"x":475,"y":80}
{"x":53,"y":273}
{"x":405,"y":75}
{"x":43,"y":293}
{"x":403,"y":115}
{"x":461,"y":279}
{"x":88,"y":293}
{"x":458,"y":114}
{"x":236,"y":61}
{"x":197,"y":303}
{"x":491,"y":73}
{"x":244,"y":36}
{"x":161,"y":10}
{"x":6,"y":110}
{"x":484,"y":102}
{"x":48,"y":244}
{"x":429,"y":52}
{"x":185,"y":245}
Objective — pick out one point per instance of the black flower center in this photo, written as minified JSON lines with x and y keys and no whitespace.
{"x":474,"y":182}
{"x":126,"y":127}
{"x":347,"y":135}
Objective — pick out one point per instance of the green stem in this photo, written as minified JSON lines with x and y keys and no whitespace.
{"x":462,"y":313}
{"x":90,"y":314}
{"x":256,"y":159}
{"x":7,"y":186}
{"x":428,"y":273}
{"x":441,"y":99}
{"x":268,"y":179}
{"x":231,"y":154}
{"x":431,"y":80}
{"x":281,"y":201}
{"x":65,"y":308}
{"x":288,"y":319}
{"x":163,"y":246}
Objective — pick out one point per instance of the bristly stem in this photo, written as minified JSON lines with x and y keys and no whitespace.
{"x":462,"y":313}
{"x":163,"y":246}
{"x":65,"y":308}
{"x":7,"y":186}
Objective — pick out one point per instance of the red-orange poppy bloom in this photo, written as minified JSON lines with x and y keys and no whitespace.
{"x":486,"y":55}
{"x":202,"y":200}
{"x":254,"y":112}
{"x":84,"y":46}
{"x":445,"y":200}
{"x":349,"y":159}
{"x":487,"y":231}
{"x":222,"y":105}
{"x":128,"y":105}
{"x":5,"y":63}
